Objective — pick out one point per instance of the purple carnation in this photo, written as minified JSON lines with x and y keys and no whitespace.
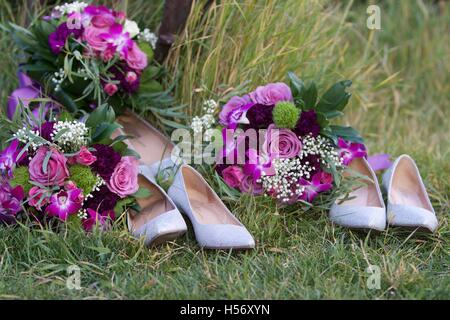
{"x":57,"y":39}
{"x":46,"y":130}
{"x":307,"y":124}
{"x":107,"y":159}
{"x":260,"y":116}
{"x":102,"y":200}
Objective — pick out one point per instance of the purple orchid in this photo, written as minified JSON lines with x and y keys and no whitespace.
{"x":350,"y":150}
{"x":57,"y":39}
{"x":230,"y":151}
{"x":258,"y":165}
{"x":10,"y":202}
{"x":65,"y":203}
{"x":118,"y":41}
{"x":313,"y":187}
{"x":234,"y":112}
{"x":98,"y":219}
{"x":8,"y":157}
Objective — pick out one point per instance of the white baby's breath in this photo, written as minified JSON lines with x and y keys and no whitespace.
{"x":148,"y":36}
{"x":68,"y":8}
{"x":70,"y":136}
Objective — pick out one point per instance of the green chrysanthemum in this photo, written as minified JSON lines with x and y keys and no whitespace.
{"x":83,"y":177}
{"x":285,"y":115}
{"x":21,"y":178}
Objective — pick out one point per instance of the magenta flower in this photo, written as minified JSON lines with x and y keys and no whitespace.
{"x":258,"y":165}
{"x":102,"y":220}
{"x":65,"y":203}
{"x":313,"y":187}
{"x":118,"y":40}
{"x":57,"y":39}
{"x":54,"y":173}
{"x":248,"y":185}
{"x":101,"y":16}
{"x":350,"y":150}
{"x":271,"y":93}
{"x":232,"y":107}
{"x":10,"y":202}
{"x":124,"y":179}
{"x":281,"y":143}
{"x":8,"y":157}
{"x":38,"y":197}
{"x":110,"y":89}
{"x":233,"y":176}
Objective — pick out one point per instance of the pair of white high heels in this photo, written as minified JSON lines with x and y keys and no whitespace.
{"x":160,"y":220}
{"x":408,"y":204}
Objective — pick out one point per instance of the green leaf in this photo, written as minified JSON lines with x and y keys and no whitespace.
{"x":150,"y":86}
{"x":296,"y":84}
{"x":102,"y":114}
{"x":322,"y":120}
{"x":46,"y":160}
{"x":122,"y":204}
{"x":346,"y":133}
{"x":142,"y":193}
{"x":104,"y":131}
{"x":333,"y":114}
{"x":147,"y":49}
{"x":309,"y":96}
{"x":335,"y":98}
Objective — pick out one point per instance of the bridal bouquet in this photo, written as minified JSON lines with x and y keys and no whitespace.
{"x":58,"y":168}
{"x":278,"y":141}
{"x":86,"y":55}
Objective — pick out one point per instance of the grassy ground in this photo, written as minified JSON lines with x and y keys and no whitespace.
{"x":400,"y":102}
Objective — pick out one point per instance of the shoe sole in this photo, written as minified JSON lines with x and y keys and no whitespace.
{"x":166,"y":237}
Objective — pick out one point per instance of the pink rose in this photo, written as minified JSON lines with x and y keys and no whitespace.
{"x":271,"y":93}
{"x":131,"y":77}
{"x":233,"y":176}
{"x":56,"y":170}
{"x":93,"y":36}
{"x":84,"y":157}
{"x":38,"y":197}
{"x":105,"y":20}
{"x":136,"y":59}
{"x":110,"y":89}
{"x":281,"y":143}
{"x":124,"y":180}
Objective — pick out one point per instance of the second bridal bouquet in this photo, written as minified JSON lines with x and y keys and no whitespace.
{"x":279,"y":142}
{"x":85,"y":55}
{"x":60,"y":168}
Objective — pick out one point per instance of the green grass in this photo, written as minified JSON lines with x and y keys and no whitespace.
{"x":400,"y":102}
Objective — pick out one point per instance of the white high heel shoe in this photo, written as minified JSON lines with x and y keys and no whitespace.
{"x":214,"y":225}
{"x":365,"y":209}
{"x":159,"y":220}
{"x":408,"y":201}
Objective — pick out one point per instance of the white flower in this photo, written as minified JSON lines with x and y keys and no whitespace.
{"x":68,"y":8}
{"x":132,"y":28}
{"x":149,"y":37}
